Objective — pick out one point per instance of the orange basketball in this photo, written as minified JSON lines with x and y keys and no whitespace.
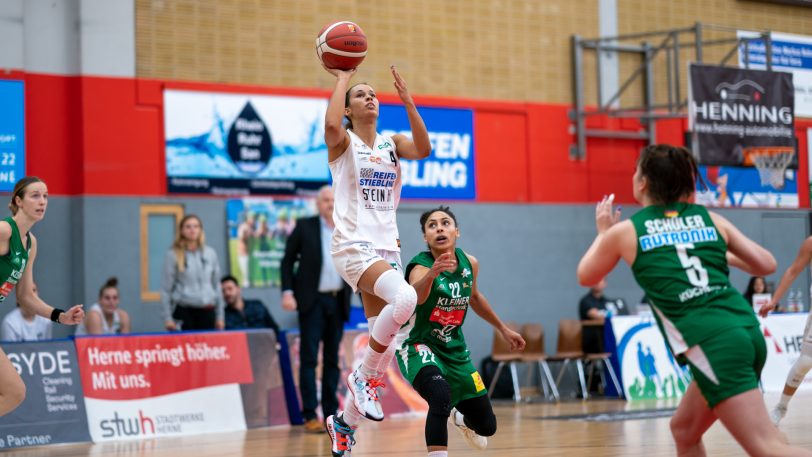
{"x":341,"y":45}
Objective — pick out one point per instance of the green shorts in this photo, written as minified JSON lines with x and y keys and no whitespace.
{"x":728,"y":364}
{"x":460,"y":373}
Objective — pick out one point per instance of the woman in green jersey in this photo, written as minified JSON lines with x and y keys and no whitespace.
{"x":432,"y":353}
{"x":18,"y":250}
{"x":679,"y":253}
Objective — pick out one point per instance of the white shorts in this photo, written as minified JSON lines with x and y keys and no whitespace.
{"x":353,"y":259}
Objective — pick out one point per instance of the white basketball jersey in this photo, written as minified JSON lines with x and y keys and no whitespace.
{"x":366,"y":184}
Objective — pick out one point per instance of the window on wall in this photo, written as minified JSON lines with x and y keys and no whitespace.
{"x":158,"y":225}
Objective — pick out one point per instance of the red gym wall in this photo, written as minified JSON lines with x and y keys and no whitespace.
{"x":104,"y":136}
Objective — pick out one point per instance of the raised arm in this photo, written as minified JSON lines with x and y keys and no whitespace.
{"x":615,"y":240}
{"x":335,"y":135}
{"x":418,"y":147}
{"x":801,"y":261}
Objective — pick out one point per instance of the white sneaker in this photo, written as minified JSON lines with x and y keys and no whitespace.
{"x":474,"y":441}
{"x":364,"y":394}
{"x":341,"y":435}
{"x":778,"y":413}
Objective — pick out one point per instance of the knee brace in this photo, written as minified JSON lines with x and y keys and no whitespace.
{"x":431,"y":385}
{"x":393,"y":289}
{"x":799,"y":370}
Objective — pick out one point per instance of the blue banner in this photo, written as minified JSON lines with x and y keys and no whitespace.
{"x":54,"y":407}
{"x":448,"y":173}
{"x":12,"y":133}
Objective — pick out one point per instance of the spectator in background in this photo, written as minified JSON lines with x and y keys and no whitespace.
{"x":756,"y":285}
{"x":241,"y":313}
{"x":105,"y":317}
{"x":593,"y":305}
{"x":245,"y":232}
{"x":593,"y":308}
{"x":25,"y":325}
{"x":190,"y":290}
{"x":322,"y":300}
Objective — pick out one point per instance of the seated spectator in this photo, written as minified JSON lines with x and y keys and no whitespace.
{"x":242,"y":313}
{"x":25,"y":325}
{"x":105,"y":317}
{"x":593,"y":308}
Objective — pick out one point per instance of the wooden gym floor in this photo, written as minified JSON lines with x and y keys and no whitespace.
{"x":524,"y":431}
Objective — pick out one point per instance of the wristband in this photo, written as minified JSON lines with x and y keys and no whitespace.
{"x":55,"y":314}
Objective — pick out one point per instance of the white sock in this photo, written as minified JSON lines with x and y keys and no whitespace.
{"x":438,"y":454}
{"x":386,"y":360}
{"x":784,"y":402}
{"x":351,"y":416}
{"x":369,"y":367}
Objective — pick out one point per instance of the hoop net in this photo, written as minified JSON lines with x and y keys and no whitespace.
{"x":771,"y":166}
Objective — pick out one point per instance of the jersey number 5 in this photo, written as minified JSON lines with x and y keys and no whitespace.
{"x":697,"y":274}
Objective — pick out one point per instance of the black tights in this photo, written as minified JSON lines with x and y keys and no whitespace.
{"x":432,"y":386}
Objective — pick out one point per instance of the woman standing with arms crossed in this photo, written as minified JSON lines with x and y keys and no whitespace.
{"x":18,"y":250}
{"x":366,"y":247}
{"x":679,"y":254}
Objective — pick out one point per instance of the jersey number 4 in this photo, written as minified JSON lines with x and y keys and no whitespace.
{"x":697,"y":274}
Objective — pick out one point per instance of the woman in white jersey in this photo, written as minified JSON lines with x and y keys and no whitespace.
{"x":801,"y":366}
{"x":105,"y":317}
{"x":366,"y":247}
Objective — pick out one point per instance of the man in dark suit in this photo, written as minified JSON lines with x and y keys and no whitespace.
{"x":322,"y":299}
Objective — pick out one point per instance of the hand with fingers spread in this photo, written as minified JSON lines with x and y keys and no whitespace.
{"x":605,"y":215}
{"x":400,"y":86}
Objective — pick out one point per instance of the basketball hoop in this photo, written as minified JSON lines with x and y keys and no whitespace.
{"x":771,"y":166}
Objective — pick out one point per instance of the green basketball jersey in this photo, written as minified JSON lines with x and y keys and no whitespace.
{"x":681,"y":265}
{"x":13,"y":264}
{"x":437,"y":322}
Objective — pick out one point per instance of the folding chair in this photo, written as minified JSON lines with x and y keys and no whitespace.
{"x":501,"y":353}
{"x":598,"y":360}
{"x":533,"y":335}
{"x":570,"y":348}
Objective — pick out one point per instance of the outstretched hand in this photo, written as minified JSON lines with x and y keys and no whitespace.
{"x":516,"y":341}
{"x":605,"y":215}
{"x":766,"y":308}
{"x":400,"y":86}
{"x":445,"y":262}
{"x":73,"y":316}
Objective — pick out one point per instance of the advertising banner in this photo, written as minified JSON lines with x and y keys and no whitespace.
{"x":238,"y":144}
{"x":647,"y":368}
{"x":258,"y":228}
{"x":784,"y":334}
{"x":792,"y":53}
{"x":448,"y":173}
{"x":12,"y":133}
{"x":741,"y":187}
{"x":164,"y":385}
{"x":737,"y":115}
{"x":264,"y":399}
{"x":53,"y":410}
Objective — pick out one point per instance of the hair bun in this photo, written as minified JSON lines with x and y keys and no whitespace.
{"x":111,"y":282}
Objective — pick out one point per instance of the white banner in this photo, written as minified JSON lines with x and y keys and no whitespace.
{"x":784,"y":334}
{"x":791,"y":53}
{"x":206,"y":410}
{"x":649,"y":370}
